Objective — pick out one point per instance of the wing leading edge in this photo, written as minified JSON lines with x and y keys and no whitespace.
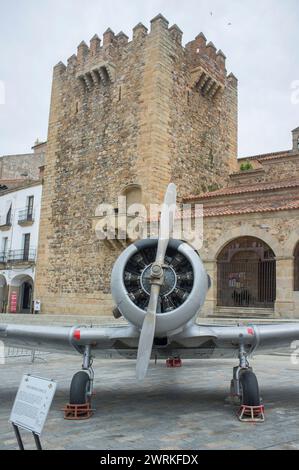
{"x":255,"y":338}
{"x":66,"y":339}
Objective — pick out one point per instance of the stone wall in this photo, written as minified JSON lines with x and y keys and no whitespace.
{"x":203,"y":126}
{"x":268,"y":169}
{"x":20,"y":166}
{"x":279,"y":230}
{"x":141,"y":112}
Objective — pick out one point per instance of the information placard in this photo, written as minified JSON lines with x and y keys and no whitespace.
{"x":37,"y":305}
{"x":13,"y":302}
{"x":32,"y":403}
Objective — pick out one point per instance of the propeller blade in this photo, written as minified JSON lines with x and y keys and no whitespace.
{"x":166,"y":222}
{"x":147,"y":334}
{"x":149,"y":324}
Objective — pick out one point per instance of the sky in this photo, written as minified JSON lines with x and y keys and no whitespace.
{"x":259,"y":37}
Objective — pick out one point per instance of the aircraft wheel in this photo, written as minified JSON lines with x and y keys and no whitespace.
{"x":250,"y":394}
{"x":79,"y":388}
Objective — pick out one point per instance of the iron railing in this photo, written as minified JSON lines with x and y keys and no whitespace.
{"x":15,"y":256}
{"x":24,"y":215}
{"x":246,"y":284}
{"x":11,"y":352}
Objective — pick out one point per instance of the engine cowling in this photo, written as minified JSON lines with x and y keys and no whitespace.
{"x":183,"y":291}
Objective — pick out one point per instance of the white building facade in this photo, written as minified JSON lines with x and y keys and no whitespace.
{"x":19,"y":227}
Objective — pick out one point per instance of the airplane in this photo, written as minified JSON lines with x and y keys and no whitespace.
{"x":159,"y":286}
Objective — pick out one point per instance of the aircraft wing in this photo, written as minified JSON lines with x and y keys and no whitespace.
{"x":227,"y":339}
{"x":262,"y":338}
{"x":68,"y":339}
{"x":194,"y":341}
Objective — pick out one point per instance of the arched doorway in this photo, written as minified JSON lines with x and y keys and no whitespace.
{"x":26,"y":297}
{"x":296,"y":268}
{"x":3,"y":294}
{"x":246,"y":274}
{"x":21,"y":294}
{"x":134,"y":212}
{"x":133,"y":194}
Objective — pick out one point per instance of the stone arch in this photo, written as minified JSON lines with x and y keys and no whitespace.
{"x":21,"y":293}
{"x":291,"y":243}
{"x":246,"y":274}
{"x":17,"y":280}
{"x":244,"y":230}
{"x":133,"y":194}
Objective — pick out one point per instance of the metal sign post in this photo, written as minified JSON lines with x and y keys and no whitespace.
{"x":31,"y":407}
{"x":19,"y":438}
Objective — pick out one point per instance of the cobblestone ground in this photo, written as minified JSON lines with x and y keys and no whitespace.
{"x":184,"y":408}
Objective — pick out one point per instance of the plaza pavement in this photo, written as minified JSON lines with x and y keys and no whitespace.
{"x":186,"y":408}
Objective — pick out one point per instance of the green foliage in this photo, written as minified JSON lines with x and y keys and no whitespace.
{"x":213,"y":187}
{"x":246,"y":166}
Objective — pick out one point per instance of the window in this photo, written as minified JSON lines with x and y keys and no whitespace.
{"x":4,"y":247}
{"x":8,"y":216}
{"x":30,"y":202}
{"x":26,"y":246}
{"x":298,"y":143}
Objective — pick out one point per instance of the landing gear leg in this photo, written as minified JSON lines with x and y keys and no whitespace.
{"x":87,"y":367}
{"x":244,"y":387}
{"x":81,"y":388}
{"x":235,"y":388}
{"x":82,"y":382}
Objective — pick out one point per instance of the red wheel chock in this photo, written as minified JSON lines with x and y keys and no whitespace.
{"x":78,"y":412}
{"x":251,"y":414}
{"x":174,"y":362}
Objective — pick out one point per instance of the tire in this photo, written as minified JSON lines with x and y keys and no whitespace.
{"x":79,"y":388}
{"x":250,"y":394}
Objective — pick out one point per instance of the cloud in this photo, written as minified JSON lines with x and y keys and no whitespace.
{"x":260,"y":45}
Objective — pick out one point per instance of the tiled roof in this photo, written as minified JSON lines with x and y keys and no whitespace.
{"x":17,"y":155}
{"x":244,"y":189}
{"x":256,"y":208}
{"x":268,"y":156}
{"x":6,"y":185}
{"x":13,"y":181}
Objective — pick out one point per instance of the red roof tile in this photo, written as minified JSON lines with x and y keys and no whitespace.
{"x":216,"y":211}
{"x":244,"y":189}
{"x":267,"y":156}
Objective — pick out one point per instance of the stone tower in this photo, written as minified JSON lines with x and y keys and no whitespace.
{"x":124,"y":115}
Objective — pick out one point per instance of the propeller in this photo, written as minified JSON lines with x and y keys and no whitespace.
{"x":157,"y":278}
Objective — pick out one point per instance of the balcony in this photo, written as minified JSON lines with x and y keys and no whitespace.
{"x":114,"y":229}
{"x":18,"y":256}
{"x":3,"y":258}
{"x":25,"y":217}
{"x":5,"y":223}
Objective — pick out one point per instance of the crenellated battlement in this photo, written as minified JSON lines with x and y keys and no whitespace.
{"x":95,"y":45}
{"x":97,"y":63}
{"x":199,"y":52}
{"x":207,"y":66}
